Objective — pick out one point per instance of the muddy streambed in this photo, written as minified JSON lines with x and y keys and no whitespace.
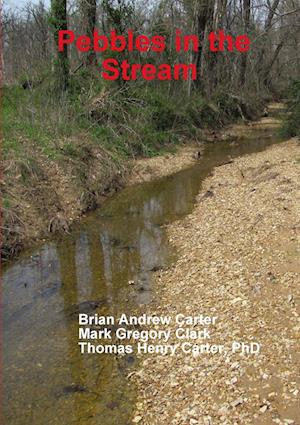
{"x":46,"y":379}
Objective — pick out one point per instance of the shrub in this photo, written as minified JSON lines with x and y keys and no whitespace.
{"x":291,"y":125}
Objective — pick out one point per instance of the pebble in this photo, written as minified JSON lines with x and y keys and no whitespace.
{"x":223,"y":411}
{"x":237,"y":402}
{"x":264,"y":408}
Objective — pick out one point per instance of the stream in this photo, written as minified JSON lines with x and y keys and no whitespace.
{"x":46,"y":379}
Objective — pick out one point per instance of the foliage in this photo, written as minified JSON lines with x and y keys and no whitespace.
{"x":292,"y":124}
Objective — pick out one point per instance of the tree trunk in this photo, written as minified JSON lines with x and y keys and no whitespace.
{"x":271,"y":14}
{"x":89,"y":9}
{"x":204,"y":10}
{"x":59,"y":22}
{"x":246,"y":21}
{"x":268,"y":68}
{"x":1,"y":55}
{"x":220,"y":15}
{"x":267,"y":28}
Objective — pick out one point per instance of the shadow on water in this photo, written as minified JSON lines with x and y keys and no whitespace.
{"x":47,"y":380}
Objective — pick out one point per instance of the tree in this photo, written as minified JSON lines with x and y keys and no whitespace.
{"x":58,"y":21}
{"x":246,"y":21}
{"x":203,"y":15}
{"x":1,"y":51}
{"x":88,"y":10}
{"x":267,"y":29}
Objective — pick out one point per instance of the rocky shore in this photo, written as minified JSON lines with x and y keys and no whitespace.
{"x":238,"y":259}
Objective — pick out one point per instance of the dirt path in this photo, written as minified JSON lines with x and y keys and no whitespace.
{"x":238,"y":259}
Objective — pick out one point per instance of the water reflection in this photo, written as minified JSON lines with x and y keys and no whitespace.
{"x":82,"y":261}
{"x":45,"y":375}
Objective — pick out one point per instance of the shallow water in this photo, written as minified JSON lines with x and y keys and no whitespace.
{"x":46,"y":379}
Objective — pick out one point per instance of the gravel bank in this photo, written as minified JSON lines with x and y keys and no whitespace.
{"x":238,"y":259}
{"x":147,"y":169}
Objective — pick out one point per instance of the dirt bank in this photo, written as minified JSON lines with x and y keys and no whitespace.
{"x":238,"y":259}
{"x":43,"y":196}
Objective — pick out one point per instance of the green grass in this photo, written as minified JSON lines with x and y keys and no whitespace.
{"x":21,"y":127}
{"x":6,"y":203}
{"x":134,"y":121}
